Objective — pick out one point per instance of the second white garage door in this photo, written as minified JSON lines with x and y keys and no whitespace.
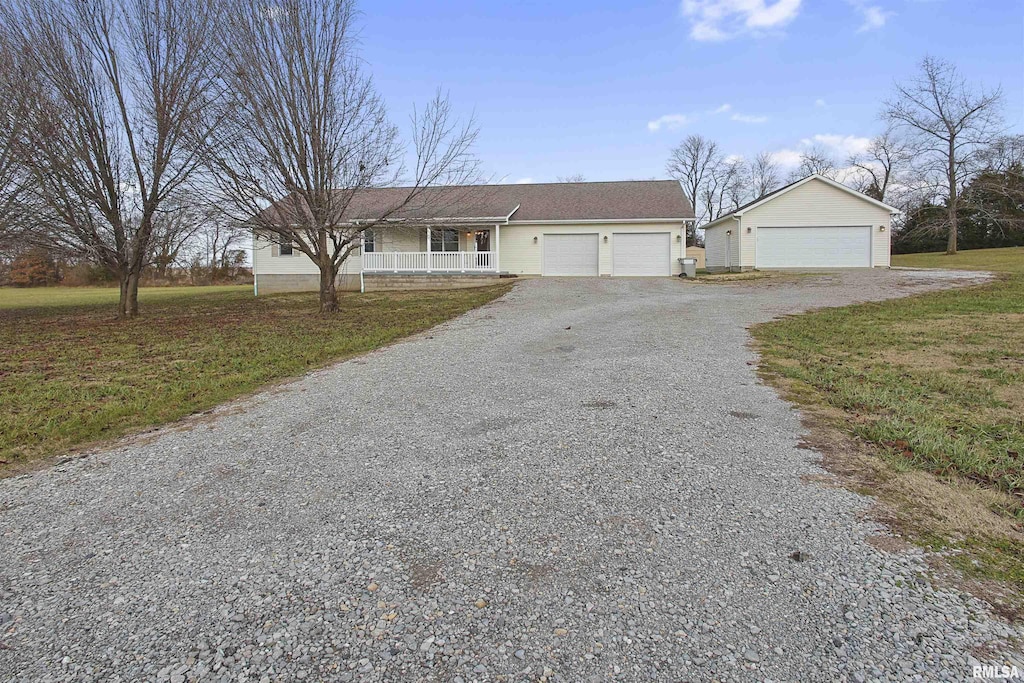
{"x":813,"y":247}
{"x":570,"y":254}
{"x":642,"y":253}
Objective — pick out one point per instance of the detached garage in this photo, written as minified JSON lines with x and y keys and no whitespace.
{"x":812,"y":223}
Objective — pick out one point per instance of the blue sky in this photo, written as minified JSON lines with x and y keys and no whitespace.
{"x":606,"y":89}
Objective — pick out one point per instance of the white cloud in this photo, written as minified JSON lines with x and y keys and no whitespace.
{"x":841,"y":145}
{"x":820,"y":103}
{"x":748,"y":118}
{"x":787,"y":158}
{"x":677,"y":121}
{"x":524,"y":181}
{"x":669,"y":122}
{"x":712,"y":20}
{"x":873,"y":16}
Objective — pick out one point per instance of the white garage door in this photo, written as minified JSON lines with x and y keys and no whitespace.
{"x":813,"y":247}
{"x":641,"y":253}
{"x":570,"y":254}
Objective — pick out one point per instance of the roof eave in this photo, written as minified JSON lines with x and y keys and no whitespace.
{"x":428,"y":220}
{"x":735,"y":215}
{"x":586,"y":221}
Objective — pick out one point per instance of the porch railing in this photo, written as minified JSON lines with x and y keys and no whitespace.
{"x":429,"y":261}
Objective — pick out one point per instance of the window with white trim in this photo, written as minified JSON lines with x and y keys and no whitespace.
{"x":444,"y":239}
{"x":369,"y":242}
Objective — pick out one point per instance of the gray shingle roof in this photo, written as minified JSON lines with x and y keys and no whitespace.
{"x":619,"y":200}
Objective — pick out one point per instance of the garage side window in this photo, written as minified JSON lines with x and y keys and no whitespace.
{"x":284,"y":247}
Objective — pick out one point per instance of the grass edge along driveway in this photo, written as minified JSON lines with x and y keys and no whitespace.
{"x":929,"y":391}
{"x":71,"y":376}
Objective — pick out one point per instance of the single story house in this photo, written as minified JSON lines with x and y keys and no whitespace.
{"x":814,"y":222}
{"x":472,"y":235}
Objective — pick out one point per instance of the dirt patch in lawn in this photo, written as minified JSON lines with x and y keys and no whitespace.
{"x":749,"y":276}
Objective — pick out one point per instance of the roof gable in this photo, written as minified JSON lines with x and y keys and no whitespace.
{"x":794,"y":185}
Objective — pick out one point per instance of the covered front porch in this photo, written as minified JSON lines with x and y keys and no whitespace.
{"x":466,"y":249}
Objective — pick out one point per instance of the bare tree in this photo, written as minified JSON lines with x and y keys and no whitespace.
{"x":995,"y":195}
{"x":692,"y":164}
{"x":175,"y":227}
{"x":111,"y":91}
{"x":952,"y":123}
{"x":305,"y":132}
{"x":724,"y":189}
{"x":887,"y":158}
{"x":1004,"y":155}
{"x":764,"y":175}
{"x":815,"y":159}
{"x":218,"y":242}
{"x":574,"y":178}
{"x":13,"y":180}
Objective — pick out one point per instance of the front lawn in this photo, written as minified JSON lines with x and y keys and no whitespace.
{"x":934,"y":383}
{"x":63,"y":297}
{"x":1008,"y":260}
{"x":70,"y":375}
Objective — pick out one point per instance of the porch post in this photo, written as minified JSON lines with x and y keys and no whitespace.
{"x":497,"y":247}
{"x":428,"y":249}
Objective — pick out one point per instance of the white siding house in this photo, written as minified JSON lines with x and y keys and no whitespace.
{"x":812,"y":223}
{"x":613,"y":229}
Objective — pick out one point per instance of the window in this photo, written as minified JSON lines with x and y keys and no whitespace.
{"x":285,"y":247}
{"x":369,"y":242}
{"x":446,"y":239}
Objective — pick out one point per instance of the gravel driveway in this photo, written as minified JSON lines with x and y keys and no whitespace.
{"x":583,"y":480}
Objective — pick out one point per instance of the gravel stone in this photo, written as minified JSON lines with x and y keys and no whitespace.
{"x":596,"y":457}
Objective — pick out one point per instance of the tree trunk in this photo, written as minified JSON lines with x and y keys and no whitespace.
{"x":951,"y":206}
{"x":951,"y":241}
{"x":133,"y":295}
{"x":122,"y":300}
{"x":328,"y":290}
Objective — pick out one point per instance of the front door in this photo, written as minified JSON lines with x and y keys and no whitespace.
{"x":483,"y":240}
{"x":483,"y":243}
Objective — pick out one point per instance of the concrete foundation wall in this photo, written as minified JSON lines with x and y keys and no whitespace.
{"x":381,"y":282}
{"x":277,"y":283}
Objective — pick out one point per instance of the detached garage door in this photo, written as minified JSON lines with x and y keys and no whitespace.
{"x":813,"y":247}
{"x":570,"y":254}
{"x":641,"y":253}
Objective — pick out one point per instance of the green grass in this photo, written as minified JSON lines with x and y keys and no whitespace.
{"x":935,"y":381}
{"x":49,"y":297}
{"x":938,"y":377}
{"x":71,"y":375}
{"x":1008,"y":260}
